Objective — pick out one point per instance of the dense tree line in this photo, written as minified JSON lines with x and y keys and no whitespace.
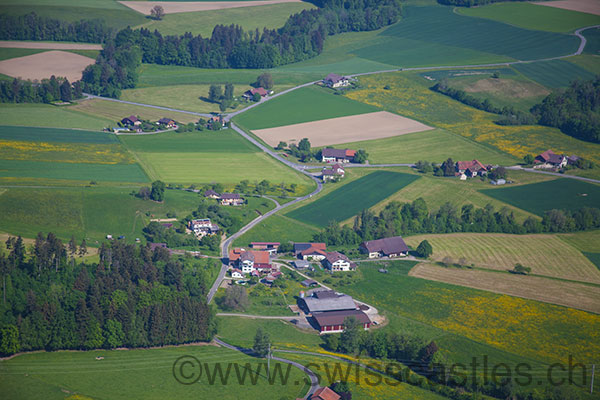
{"x":510,"y":116}
{"x":34,"y":27}
{"x":471,"y":3}
{"x":46,"y":91}
{"x":132,"y":297}
{"x":300,"y":38}
{"x":575,"y":110}
{"x":414,"y":218}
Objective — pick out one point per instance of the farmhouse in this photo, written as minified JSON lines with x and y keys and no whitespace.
{"x":336,"y":262}
{"x":231,"y":199}
{"x":249,"y":94}
{"x":250,"y":260}
{"x":326,"y":300}
{"x":333,"y":321}
{"x":550,"y":159}
{"x":203,"y":227}
{"x":337,"y":155}
{"x":211,"y":194}
{"x":335,"y":81}
{"x":168,"y":122}
{"x":324,"y":393}
{"x":337,"y":171}
{"x":310,"y":251}
{"x":470,"y":168}
{"x":132,"y":120}
{"x":271,"y":247}
{"x":387,"y":247}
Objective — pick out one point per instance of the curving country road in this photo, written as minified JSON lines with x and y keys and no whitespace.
{"x":314,"y":380}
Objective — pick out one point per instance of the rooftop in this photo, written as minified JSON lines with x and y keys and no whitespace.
{"x":338,"y":317}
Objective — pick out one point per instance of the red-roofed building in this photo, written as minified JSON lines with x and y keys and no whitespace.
{"x":471,"y":168}
{"x":325,"y":393}
{"x":337,"y":155}
{"x":310,"y":251}
{"x":132,"y":120}
{"x":271,"y":247}
{"x":250,"y":260}
{"x":550,"y":159}
{"x":250,"y":93}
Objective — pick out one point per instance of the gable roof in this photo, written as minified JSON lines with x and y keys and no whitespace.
{"x":337,"y":317}
{"x":342,"y":302}
{"x":391,"y":245}
{"x":258,"y":90}
{"x":336,"y":256}
{"x":325,"y":393}
{"x":298,"y":247}
{"x":230,"y":196}
{"x":313,"y":250}
{"x":333,"y":78}
{"x":210,"y":192}
{"x":337,"y":153}
{"x":473,"y":165}
{"x":165,"y":121}
{"x":261,"y":257}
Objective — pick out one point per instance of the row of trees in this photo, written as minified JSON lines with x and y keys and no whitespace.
{"x":46,"y":91}
{"x":470,"y":3}
{"x":34,"y":27}
{"x":300,"y":38}
{"x":132,"y":297}
{"x":412,"y":218}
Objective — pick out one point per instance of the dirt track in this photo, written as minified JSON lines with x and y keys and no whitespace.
{"x":13,"y":44}
{"x":172,"y":7}
{"x":354,"y":128}
{"x":43,"y":65}
{"x":585,"y":6}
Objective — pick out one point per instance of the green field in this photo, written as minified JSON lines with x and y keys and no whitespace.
{"x":594,"y":258}
{"x":352,"y":198}
{"x":55,"y":135}
{"x":277,"y":228}
{"x":114,"y":14}
{"x":72,"y":171}
{"x":563,"y":194}
{"x":8,"y":53}
{"x":593,"y":41}
{"x":532,"y":16}
{"x":302,"y":105}
{"x":126,"y":374}
{"x":205,"y":157}
{"x":86,"y":212}
{"x":51,"y":116}
{"x":434,"y":146}
{"x":553,"y":73}
{"x":249,"y":18}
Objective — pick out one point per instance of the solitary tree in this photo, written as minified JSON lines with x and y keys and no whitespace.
{"x":424,"y":249}
{"x":215,"y":92}
{"x":157,"y":12}
{"x":528,"y":159}
{"x":361,"y":156}
{"x":158,"y":191}
{"x":256,"y":97}
{"x":265,"y":80}
{"x":304,"y":145}
{"x":228,"y":91}
{"x":262,"y":342}
{"x":282,"y":145}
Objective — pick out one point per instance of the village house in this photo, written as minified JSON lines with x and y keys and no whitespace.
{"x":211,"y":194}
{"x":324,"y":393}
{"x":337,"y":155}
{"x":271,"y":247}
{"x":249,"y":261}
{"x":249,"y":94}
{"x":333,"y":321}
{"x":231,"y":199}
{"x":168,"y":122}
{"x":203,"y":227}
{"x":237,"y":273}
{"x":470,"y":169}
{"x":310,"y":251}
{"x":132,"y":120}
{"x":387,"y":247}
{"x":337,"y":171}
{"x":337,"y":262}
{"x":550,"y":159}
{"x":336,"y":81}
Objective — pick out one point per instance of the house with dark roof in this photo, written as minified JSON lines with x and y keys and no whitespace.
{"x":386,"y":247}
{"x":211,"y":194}
{"x":328,"y":174}
{"x":310,"y":251}
{"x":470,"y":169}
{"x":326,"y":300}
{"x":335,"y":81}
{"x":337,"y":155}
{"x":132,"y":120}
{"x":324,"y":393}
{"x":231,"y":199}
{"x":333,"y":321}
{"x":168,"y":122}
{"x":336,"y":261}
{"x":550,"y":159}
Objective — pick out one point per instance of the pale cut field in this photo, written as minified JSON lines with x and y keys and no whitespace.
{"x":547,"y":255}
{"x":172,"y":7}
{"x":44,"y":65}
{"x":14,"y":44}
{"x":586,"y":6}
{"x":354,"y":128}
{"x":115,"y":111}
{"x":569,"y":294}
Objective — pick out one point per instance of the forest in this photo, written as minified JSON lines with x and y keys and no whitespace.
{"x":414,"y":218}
{"x":301,"y":37}
{"x":470,"y":3}
{"x":34,"y":27}
{"x":133,"y":297}
{"x":46,"y":91}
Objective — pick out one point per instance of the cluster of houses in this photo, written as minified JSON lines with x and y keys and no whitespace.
{"x":332,"y":173}
{"x":225,"y":199}
{"x":133,"y":123}
{"x":331,"y":260}
{"x":551,"y":160}
{"x":254,"y":263}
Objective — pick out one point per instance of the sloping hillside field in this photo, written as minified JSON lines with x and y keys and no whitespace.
{"x":352,"y":198}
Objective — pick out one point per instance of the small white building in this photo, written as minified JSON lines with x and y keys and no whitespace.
{"x":337,"y":262}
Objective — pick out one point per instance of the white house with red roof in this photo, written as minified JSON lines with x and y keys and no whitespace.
{"x":337,"y":155}
{"x":550,"y":159}
{"x":470,"y":169}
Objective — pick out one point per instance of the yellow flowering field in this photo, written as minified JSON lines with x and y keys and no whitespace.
{"x":111,"y":153}
{"x":409,"y":95}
